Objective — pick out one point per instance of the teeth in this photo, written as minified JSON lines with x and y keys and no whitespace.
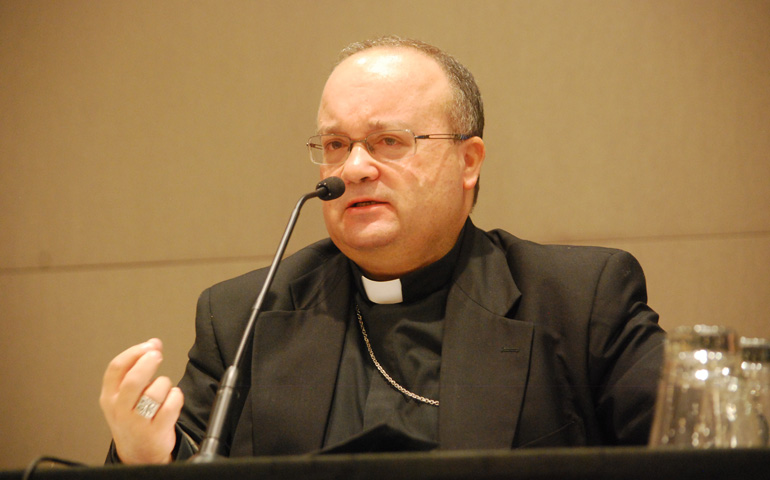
{"x":364,"y":204}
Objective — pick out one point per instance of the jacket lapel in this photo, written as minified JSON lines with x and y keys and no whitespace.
{"x":296,"y":358}
{"x":485,"y":356}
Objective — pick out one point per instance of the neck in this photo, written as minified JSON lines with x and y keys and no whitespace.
{"x":391,"y":262}
{"x":389,"y":265}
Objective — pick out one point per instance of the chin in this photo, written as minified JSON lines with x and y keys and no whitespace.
{"x":351,"y":243}
{"x":369,"y":242}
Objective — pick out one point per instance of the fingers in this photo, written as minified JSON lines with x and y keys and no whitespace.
{"x":127,"y":376}
{"x":139,"y":439}
{"x":169,"y":398}
{"x":138,"y":378}
{"x":170,"y":409}
{"x":120,"y":365}
{"x":158,"y":389}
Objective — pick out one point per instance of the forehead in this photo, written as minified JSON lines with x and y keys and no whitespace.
{"x":384,"y":87}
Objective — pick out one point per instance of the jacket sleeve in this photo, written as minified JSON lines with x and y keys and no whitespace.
{"x":221,"y":317}
{"x":205,"y":367}
{"x":625,"y":352}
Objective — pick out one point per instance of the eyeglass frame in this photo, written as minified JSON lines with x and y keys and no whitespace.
{"x":370,"y":148}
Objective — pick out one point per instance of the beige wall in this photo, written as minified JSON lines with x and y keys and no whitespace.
{"x":149,"y":149}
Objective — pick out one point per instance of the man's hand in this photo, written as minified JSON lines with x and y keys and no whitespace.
{"x":129,"y":377}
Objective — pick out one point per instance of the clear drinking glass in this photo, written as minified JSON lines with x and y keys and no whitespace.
{"x":755,"y":355}
{"x":703,"y":399}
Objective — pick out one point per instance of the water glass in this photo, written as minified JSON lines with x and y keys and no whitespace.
{"x":703,"y":397}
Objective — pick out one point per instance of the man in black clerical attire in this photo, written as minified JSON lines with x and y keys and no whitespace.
{"x":408,"y":327}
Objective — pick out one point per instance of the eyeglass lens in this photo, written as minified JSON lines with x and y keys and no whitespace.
{"x":389,"y":145}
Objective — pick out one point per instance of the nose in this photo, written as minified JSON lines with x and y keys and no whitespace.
{"x":360,"y":166}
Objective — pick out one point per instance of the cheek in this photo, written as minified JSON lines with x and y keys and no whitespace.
{"x":328,"y":210}
{"x":443,"y":190}
{"x":425,"y":196}
{"x":436,"y":176}
{"x":326,"y":172}
{"x":332,"y":220}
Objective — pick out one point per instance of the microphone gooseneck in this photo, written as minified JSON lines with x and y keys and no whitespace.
{"x":210,"y":450}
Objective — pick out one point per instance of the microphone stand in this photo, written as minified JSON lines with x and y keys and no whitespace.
{"x":212,"y":443}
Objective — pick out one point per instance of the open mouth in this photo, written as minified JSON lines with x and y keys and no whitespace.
{"x":364,"y":204}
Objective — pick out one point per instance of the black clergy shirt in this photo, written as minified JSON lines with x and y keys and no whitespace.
{"x":406,"y":340}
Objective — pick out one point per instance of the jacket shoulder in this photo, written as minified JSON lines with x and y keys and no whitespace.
{"x":524,"y":255}
{"x":567,"y":270}
{"x":243,"y":289}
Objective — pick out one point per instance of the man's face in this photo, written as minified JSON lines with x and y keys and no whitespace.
{"x":396,"y":217}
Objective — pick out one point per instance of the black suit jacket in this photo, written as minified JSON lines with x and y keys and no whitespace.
{"x":543,"y":346}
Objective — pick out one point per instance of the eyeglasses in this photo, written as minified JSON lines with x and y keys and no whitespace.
{"x":386,"y":146}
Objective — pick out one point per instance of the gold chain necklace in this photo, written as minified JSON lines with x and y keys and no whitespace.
{"x":382,"y":370}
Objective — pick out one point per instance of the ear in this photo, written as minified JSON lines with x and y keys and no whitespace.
{"x":474,"y":153}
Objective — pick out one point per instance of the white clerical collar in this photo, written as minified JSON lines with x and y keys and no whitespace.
{"x":387,"y":292}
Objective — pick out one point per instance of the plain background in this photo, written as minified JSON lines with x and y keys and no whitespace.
{"x":150,"y":148}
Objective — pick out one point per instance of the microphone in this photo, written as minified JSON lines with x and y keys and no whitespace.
{"x":327,"y":189}
{"x":333,"y":188}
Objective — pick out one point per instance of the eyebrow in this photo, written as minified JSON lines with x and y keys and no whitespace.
{"x":372,"y":126}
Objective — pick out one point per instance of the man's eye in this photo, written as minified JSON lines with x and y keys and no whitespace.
{"x":388,"y":141}
{"x":334,"y":145}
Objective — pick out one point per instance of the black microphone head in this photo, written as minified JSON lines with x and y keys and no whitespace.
{"x":333,"y":187}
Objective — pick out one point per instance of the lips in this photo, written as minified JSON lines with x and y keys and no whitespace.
{"x":364,"y":204}
{"x":361,"y":202}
